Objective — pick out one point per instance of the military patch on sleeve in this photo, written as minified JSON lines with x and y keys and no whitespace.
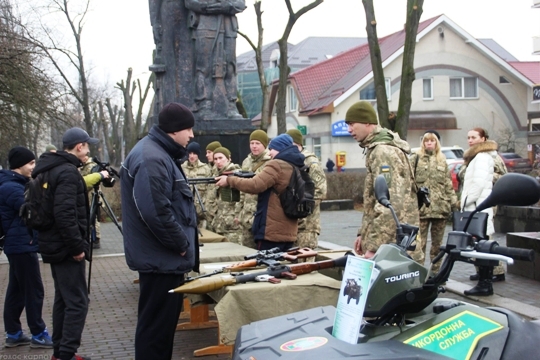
{"x":386,"y":171}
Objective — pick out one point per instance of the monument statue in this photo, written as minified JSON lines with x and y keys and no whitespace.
{"x":195,"y":56}
{"x":214,"y":30}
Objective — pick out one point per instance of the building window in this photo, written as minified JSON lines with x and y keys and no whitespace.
{"x":503,"y":80}
{"x":293,"y":101}
{"x":428,"y":88}
{"x":317,"y":147}
{"x":368,"y":93}
{"x":463,"y":88}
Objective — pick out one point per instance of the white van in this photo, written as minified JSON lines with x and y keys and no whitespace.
{"x":452,"y":153}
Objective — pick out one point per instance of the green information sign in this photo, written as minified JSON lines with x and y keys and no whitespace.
{"x":303,"y":129}
{"x":456,"y":337}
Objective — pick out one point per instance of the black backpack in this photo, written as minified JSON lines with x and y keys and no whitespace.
{"x":37,"y":212}
{"x":297,"y":200}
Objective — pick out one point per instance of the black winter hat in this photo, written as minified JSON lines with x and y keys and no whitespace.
{"x":175,"y":117}
{"x":194,"y":147}
{"x":19,"y":156}
{"x":434,"y":132}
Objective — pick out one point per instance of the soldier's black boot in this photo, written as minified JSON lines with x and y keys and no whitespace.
{"x":484,"y":286}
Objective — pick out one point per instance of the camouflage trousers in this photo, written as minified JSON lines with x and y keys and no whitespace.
{"x":437,"y":233}
{"x":307,"y":239}
{"x":246,"y":239}
{"x":234,"y":237}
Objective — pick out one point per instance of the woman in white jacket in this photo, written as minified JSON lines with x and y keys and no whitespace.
{"x":479,"y":164}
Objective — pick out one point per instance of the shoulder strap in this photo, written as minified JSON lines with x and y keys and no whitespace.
{"x":415,"y":164}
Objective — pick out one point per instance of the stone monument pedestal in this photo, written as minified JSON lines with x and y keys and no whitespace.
{"x":525,"y":240}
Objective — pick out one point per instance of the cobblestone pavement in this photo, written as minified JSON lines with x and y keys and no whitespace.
{"x":112,"y":316}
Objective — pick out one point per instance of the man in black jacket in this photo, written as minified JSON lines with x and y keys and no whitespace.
{"x":65,"y":245}
{"x":160,"y":227}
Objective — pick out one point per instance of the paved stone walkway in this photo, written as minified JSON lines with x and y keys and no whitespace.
{"x":112,"y":316}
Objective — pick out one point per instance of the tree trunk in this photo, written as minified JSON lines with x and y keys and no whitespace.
{"x":376,"y":64}
{"x":414,"y":12}
{"x":129,"y":131}
{"x":284,"y":68}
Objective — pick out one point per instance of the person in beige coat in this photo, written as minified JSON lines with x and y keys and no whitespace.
{"x":271,"y":227}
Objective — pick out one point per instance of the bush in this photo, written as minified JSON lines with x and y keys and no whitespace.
{"x":345,"y":185}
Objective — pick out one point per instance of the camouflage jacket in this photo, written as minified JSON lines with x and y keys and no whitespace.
{"x":432,"y":172}
{"x":387,"y":155}
{"x":197,"y":170}
{"x":313,"y":222}
{"x":247,"y":205}
{"x":224,"y":211}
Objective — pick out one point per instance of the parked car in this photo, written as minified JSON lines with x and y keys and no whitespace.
{"x":452,"y":153}
{"x":515,"y":163}
{"x":454,"y":171}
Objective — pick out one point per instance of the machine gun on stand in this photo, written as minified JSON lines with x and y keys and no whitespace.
{"x":271,"y":257}
{"x":209,"y":284}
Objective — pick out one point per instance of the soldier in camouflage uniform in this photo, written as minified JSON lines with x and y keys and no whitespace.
{"x":210,"y":152}
{"x":92,"y":177}
{"x":431,"y":171}
{"x":225,"y":220}
{"x":309,"y":228}
{"x":386,"y":155}
{"x":195,"y":168}
{"x":254,"y":162}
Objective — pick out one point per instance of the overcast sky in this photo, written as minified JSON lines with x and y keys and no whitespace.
{"x":118,"y":34}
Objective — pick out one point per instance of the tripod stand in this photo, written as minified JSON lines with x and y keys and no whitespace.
{"x":95,"y":208}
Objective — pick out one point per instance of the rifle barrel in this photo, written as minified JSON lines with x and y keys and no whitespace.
{"x":206,"y":285}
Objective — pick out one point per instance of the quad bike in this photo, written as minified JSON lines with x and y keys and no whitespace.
{"x":404,"y":318}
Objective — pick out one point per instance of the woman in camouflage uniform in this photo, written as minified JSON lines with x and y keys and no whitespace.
{"x":431,"y":171}
{"x":225,"y":220}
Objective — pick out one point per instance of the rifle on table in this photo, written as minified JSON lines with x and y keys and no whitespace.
{"x":209,"y":284}
{"x":271,"y":258}
{"x":227,"y":194}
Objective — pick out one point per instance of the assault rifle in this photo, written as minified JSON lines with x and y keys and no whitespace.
{"x":227,"y":194}
{"x":271,"y":258}
{"x":212,"y":180}
{"x":209,"y":284}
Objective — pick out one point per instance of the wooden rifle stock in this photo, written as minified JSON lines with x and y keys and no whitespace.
{"x":209,"y":284}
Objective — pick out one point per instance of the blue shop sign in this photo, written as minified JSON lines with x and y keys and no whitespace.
{"x":339,"y":128}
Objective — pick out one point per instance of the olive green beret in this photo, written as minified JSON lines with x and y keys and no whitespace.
{"x":296,"y":136}
{"x":261,"y":136}
{"x":213,"y":146}
{"x":361,"y":112}
{"x":224,"y":151}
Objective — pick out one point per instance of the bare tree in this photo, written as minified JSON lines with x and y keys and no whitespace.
{"x":265,"y":108}
{"x":284,"y":68}
{"x":133,"y":123}
{"x":60,"y":54}
{"x":399,"y":122}
{"x":27,"y":93}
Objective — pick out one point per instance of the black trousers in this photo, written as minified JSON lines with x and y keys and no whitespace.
{"x":24,"y":291}
{"x":158,"y":315}
{"x":70,"y":306}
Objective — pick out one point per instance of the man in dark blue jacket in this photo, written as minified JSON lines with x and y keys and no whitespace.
{"x":160,"y":227}
{"x":65,"y":244}
{"x":25,"y":288}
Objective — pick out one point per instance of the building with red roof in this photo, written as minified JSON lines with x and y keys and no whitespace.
{"x":461,"y":83}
